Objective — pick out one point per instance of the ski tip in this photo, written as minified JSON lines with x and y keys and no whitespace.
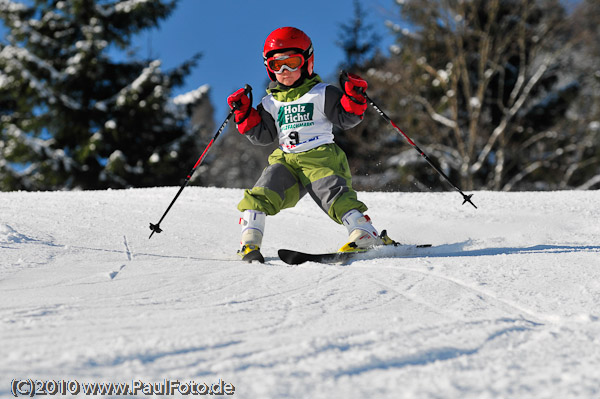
{"x":286,"y":255}
{"x":283,"y":252}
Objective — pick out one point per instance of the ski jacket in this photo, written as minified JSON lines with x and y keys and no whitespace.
{"x":301,"y":118}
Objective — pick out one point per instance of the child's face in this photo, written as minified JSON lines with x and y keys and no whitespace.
{"x":286,"y":77}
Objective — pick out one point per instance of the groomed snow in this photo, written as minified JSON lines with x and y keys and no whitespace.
{"x":506,"y":305}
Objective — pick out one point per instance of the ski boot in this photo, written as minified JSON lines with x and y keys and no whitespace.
{"x":362,"y":233}
{"x":253,"y":226}
{"x":250,"y":252}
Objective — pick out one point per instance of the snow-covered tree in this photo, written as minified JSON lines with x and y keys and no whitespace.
{"x":73,"y":117}
{"x":481,"y":84}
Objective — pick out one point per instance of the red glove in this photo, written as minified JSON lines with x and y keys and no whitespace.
{"x":353,"y":100}
{"x":246,"y":117}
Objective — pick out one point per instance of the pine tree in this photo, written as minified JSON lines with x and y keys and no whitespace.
{"x":75,"y":118}
{"x":360,"y":44}
{"x":357,"y":39}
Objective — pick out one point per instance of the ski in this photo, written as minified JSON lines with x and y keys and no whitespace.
{"x":292,"y":257}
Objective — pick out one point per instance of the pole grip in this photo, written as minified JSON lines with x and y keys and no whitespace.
{"x":345,"y":77}
{"x":238,"y":104}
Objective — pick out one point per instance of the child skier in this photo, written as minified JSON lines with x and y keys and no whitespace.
{"x":300,"y":112}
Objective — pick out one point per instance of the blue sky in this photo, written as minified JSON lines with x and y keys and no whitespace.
{"x":230,"y":35}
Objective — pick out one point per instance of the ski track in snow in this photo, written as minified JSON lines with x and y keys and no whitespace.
{"x":129,"y":254}
{"x":506,"y":304}
{"x":127,"y":250}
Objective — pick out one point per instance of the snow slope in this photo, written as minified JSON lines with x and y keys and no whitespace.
{"x":506,"y":305}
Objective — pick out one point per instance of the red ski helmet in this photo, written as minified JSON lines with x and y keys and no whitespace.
{"x":285,"y":39}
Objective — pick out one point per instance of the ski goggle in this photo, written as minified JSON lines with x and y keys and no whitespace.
{"x":290,"y":62}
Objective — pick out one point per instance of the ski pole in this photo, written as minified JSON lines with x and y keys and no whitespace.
{"x":247,"y":90}
{"x":466,"y":198}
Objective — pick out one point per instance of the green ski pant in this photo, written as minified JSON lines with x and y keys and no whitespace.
{"x":322,"y":172}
